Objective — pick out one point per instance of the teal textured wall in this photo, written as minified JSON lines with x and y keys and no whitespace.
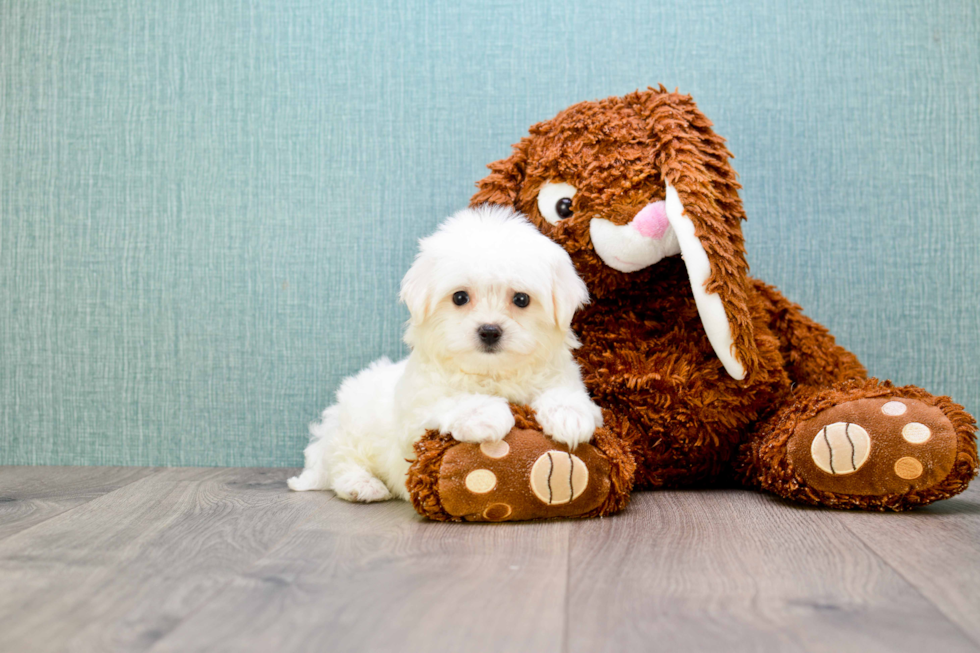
{"x":207,"y":206}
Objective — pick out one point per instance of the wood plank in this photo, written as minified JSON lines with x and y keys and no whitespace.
{"x":936,"y":549}
{"x":219,"y":559}
{"x":31,"y":495}
{"x":739,"y":571}
{"x":121,"y":571}
{"x":378,"y":578}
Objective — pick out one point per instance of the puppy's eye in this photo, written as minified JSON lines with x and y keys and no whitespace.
{"x":555,"y":201}
{"x":521,"y":300}
{"x":460,"y":297}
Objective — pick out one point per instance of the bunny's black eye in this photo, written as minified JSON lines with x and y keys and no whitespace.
{"x":521,"y":300}
{"x":460,"y":297}
{"x":555,"y":201}
{"x":563,"y":207}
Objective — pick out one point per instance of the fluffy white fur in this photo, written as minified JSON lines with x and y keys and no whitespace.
{"x":361,"y":446}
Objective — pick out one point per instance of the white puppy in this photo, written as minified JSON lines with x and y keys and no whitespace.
{"x":491,"y":302}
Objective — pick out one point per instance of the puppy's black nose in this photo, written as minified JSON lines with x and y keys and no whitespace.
{"x":489,"y":334}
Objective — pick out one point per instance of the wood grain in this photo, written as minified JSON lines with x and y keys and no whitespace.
{"x":377,"y":578}
{"x":121,"y":571}
{"x":935,"y":549}
{"x":228,"y":560}
{"x":29,"y":495}
{"x":738,"y":571}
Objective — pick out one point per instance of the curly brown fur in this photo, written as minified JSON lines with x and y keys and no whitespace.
{"x":645,"y":355}
{"x":811,"y":355}
{"x":423,"y":475}
{"x":646,"y":359}
{"x":621,"y":475}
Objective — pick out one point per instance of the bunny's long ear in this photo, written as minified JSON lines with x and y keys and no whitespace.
{"x":706,"y":213}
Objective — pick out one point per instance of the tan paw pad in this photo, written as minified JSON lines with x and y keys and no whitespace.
{"x":916,"y":433}
{"x":497,"y":449}
{"x":894,"y":408}
{"x":481,"y":481}
{"x":497,"y":512}
{"x":841,"y":448}
{"x":558,"y":477}
{"x":908,"y":468}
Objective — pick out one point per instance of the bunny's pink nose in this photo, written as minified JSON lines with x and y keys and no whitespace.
{"x":651,"y":221}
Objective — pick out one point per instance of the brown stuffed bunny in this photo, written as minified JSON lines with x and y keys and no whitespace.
{"x":703,"y":372}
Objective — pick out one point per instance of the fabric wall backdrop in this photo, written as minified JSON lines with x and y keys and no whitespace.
{"x":207,"y":206}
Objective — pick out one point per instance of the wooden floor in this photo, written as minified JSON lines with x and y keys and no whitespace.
{"x":130,"y":559}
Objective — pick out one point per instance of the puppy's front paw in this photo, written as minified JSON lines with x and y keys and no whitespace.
{"x":568,"y":422}
{"x":487,"y":422}
{"x":360,"y":487}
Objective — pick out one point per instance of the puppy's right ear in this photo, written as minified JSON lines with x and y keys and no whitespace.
{"x":506,"y":177}
{"x":416,"y":289}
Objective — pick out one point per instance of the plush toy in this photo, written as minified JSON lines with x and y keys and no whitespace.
{"x":703,"y":372}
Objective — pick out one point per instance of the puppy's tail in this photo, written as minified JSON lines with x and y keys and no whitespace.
{"x":315,"y":475}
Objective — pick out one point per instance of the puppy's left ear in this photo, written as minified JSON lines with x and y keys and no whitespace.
{"x":416,"y":289}
{"x":568,"y":292}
